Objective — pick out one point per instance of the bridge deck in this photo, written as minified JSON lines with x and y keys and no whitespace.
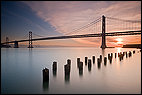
{"x":83,"y":36}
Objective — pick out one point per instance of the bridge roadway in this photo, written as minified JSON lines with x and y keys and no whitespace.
{"x":83,"y":36}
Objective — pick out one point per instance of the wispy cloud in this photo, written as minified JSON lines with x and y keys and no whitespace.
{"x":65,"y":16}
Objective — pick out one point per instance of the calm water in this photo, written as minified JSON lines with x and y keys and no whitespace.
{"x":21,"y":71}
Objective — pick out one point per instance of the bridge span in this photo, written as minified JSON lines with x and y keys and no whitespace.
{"x":103,"y":35}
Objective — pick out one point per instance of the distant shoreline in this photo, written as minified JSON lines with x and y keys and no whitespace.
{"x":132,"y":46}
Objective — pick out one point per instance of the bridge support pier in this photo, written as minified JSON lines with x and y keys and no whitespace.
{"x":103,"y":46}
{"x":16,"y":44}
{"x":30,"y":40}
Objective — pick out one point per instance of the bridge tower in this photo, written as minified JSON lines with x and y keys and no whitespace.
{"x":103,"y":46}
{"x":7,"y":44}
{"x":16,"y":44}
{"x":7,"y":40}
{"x":30,"y":40}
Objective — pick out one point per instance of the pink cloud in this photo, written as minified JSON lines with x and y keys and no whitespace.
{"x":65,"y":16}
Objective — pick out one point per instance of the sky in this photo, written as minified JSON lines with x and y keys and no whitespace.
{"x":57,"y":18}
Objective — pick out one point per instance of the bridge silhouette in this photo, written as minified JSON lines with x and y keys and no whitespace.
{"x":131,"y":29}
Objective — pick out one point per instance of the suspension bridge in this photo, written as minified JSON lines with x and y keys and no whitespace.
{"x":102,"y":27}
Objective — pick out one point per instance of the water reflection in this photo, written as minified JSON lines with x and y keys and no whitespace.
{"x":105,"y":61}
{"x":80,"y":72}
{"x":80,"y":67}
{"x":54,"y":73}
{"x":45,"y":85}
{"x":67,"y":72}
{"x":111,"y":72}
{"x":98,"y":63}
{"x":67,"y":78}
{"x":89,"y":65}
{"x":110,"y":61}
{"x":103,"y":52}
{"x":30,"y":55}
{"x":45,"y":78}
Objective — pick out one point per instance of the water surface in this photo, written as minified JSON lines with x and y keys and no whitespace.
{"x":21,"y":71}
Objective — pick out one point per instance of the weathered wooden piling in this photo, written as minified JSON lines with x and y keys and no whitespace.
{"x":69,"y":61}
{"x":45,"y":85}
{"x":130,"y":54}
{"x":45,"y":74}
{"x":105,"y":61}
{"x":98,"y":61}
{"x":89,"y":64}
{"x":100,"y":58}
{"x":67,"y":69}
{"x":118,"y":54}
{"x":115,"y":55}
{"x":80,"y":65}
{"x":134,"y":52}
{"x":120,"y":57}
{"x":109,"y":56}
{"x":86,"y":58}
{"x":81,"y":68}
{"x":54,"y":66}
{"x":110,"y":60}
{"x":126,"y":54}
{"x":78,"y":61}
{"x":67,"y":76}
{"x":123,"y":53}
{"x":93,"y":58}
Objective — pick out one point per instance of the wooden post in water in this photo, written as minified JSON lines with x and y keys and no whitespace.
{"x":54,"y":68}
{"x":69,"y":61}
{"x":78,"y":61}
{"x":115,"y":55}
{"x":130,"y":54}
{"x":45,"y":74}
{"x":108,"y":56}
{"x":89,"y":64}
{"x":100,"y":58}
{"x":93,"y":58}
{"x":118,"y":54}
{"x":105,"y":60}
{"x":134,"y":52}
{"x":126,"y":54}
{"x":86,"y":58}
{"x":80,"y":68}
{"x":67,"y":72}
{"x":67,"y":68}
{"x":99,"y":64}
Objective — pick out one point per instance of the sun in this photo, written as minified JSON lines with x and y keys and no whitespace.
{"x":119,"y":41}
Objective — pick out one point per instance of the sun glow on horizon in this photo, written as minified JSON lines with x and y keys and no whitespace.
{"x":119,"y":42}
